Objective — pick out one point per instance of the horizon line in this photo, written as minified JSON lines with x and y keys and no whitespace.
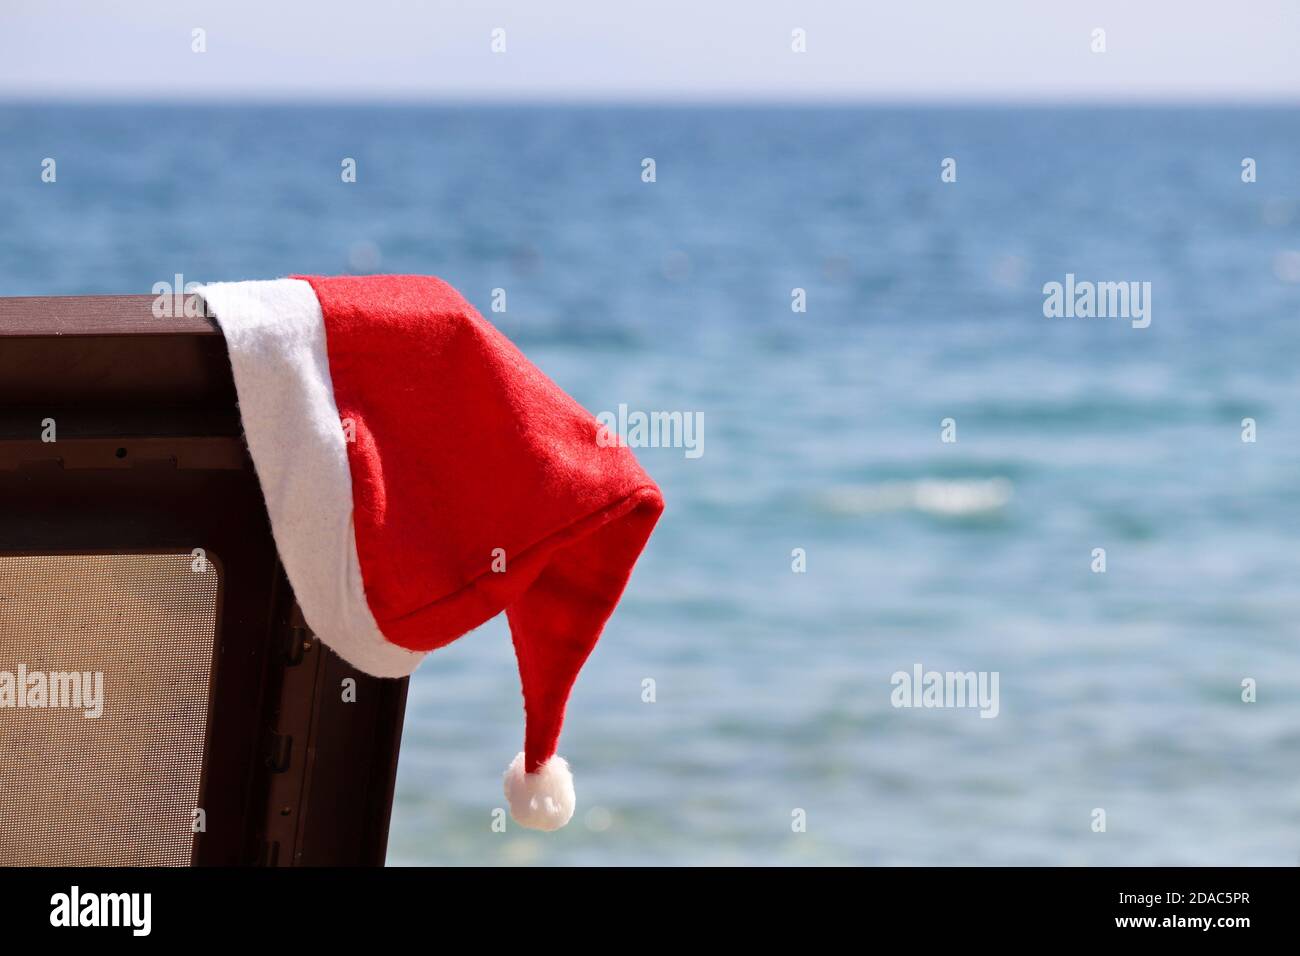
{"x":399,"y":99}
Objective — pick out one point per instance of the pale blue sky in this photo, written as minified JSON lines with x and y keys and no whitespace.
{"x":936,"y":50}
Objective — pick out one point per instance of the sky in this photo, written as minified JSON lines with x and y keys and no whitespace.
{"x":661,"y":50}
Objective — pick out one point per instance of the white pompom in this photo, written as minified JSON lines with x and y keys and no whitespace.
{"x":543,"y":800}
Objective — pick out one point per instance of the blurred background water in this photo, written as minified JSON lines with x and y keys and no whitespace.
{"x":822,"y":432}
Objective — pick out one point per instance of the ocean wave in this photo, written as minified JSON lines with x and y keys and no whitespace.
{"x":950,"y":499}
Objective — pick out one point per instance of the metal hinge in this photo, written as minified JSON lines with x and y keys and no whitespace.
{"x":278,"y":749}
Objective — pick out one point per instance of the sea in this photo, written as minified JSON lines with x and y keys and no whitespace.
{"x":909,"y":462}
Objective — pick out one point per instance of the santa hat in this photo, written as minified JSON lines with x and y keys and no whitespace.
{"x":421,"y":476}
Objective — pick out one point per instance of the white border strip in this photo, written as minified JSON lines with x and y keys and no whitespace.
{"x":275,"y":334}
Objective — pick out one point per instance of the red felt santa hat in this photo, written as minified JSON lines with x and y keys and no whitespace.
{"x":421,"y":476}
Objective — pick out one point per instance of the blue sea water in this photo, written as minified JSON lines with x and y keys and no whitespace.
{"x":1119,"y":691}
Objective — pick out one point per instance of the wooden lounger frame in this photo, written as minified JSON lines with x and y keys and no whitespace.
{"x":150,"y":456}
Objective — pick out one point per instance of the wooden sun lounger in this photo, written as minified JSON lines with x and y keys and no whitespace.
{"x":135,"y":545}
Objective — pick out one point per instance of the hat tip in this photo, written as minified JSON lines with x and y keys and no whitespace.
{"x":543,"y":800}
